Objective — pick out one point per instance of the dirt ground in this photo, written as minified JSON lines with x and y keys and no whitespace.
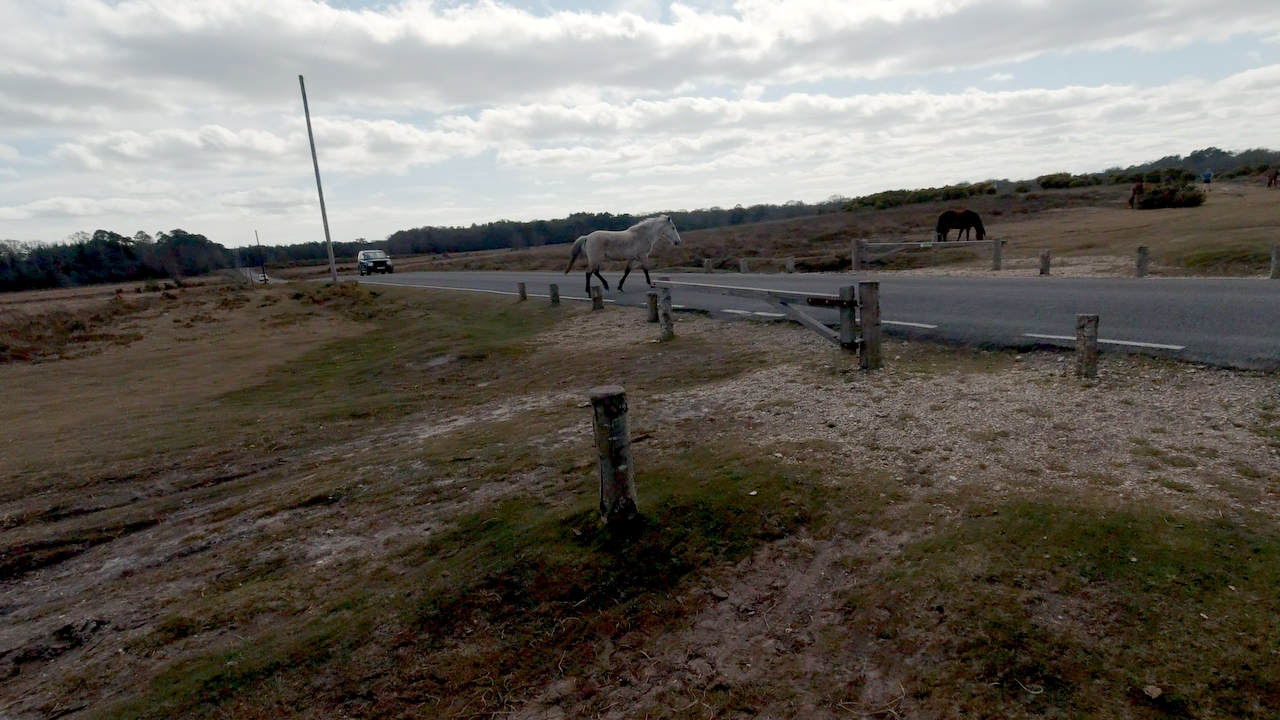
{"x":191,"y":535}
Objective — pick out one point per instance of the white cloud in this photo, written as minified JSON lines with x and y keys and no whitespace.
{"x":1000,"y":77}
{"x":76,"y":207}
{"x":77,"y":59}
{"x":269,"y":199}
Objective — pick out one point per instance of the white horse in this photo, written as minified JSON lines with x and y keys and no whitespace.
{"x":633,"y":244}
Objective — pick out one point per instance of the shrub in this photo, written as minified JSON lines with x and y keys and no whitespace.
{"x":1056,"y":181}
{"x":1171,"y":196}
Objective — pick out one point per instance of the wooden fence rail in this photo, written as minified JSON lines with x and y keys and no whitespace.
{"x":859,"y":307}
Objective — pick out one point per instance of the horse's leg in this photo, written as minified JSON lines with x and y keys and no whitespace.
{"x":646,"y":276}
{"x":625,"y":273}
{"x":588,"y":280}
{"x":603,"y":282}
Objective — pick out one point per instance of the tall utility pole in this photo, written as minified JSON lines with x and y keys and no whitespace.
{"x":262,"y":259}
{"x":333,"y":268}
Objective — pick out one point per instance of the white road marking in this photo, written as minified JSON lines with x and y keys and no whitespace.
{"x":926,"y":326}
{"x":1127,"y":343}
{"x":480,"y":290}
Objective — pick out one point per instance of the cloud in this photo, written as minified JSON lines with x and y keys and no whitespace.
{"x":76,"y":207}
{"x":1000,"y":77}
{"x":682,"y":135}
{"x":78,"y":58}
{"x":208,"y":146}
{"x":269,"y":199}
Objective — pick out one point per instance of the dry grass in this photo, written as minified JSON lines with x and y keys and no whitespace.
{"x":383,"y":506}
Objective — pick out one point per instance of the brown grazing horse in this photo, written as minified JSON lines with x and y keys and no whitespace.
{"x":1136,"y":192}
{"x":1273,"y":178}
{"x":961,"y":221}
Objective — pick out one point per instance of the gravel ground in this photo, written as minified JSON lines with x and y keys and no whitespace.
{"x":940,"y":422}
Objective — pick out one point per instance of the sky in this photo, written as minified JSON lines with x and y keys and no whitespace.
{"x":152,"y":115}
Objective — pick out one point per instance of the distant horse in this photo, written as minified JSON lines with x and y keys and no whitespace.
{"x":961,"y":221}
{"x":1136,"y":192}
{"x":633,"y":245}
{"x":1273,"y":178}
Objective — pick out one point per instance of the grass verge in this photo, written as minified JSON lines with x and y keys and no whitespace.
{"x":1051,"y":611}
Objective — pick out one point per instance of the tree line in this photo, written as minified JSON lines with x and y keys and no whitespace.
{"x":107,"y":257}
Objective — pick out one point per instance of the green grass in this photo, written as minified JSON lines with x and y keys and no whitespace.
{"x":515,"y":596}
{"x":1055,"y":611}
{"x":383,"y":372}
{"x":1231,"y":259}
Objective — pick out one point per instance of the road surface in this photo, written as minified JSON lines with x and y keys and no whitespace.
{"x":1219,"y":321}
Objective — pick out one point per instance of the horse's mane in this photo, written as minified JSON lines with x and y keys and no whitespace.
{"x":648,"y":222}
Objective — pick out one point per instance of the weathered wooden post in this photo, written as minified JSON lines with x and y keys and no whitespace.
{"x":858,"y":254}
{"x":997,"y":261}
{"x":613,"y":448}
{"x":869,"y":308}
{"x":653,"y":307}
{"x":789,"y":265}
{"x":597,"y":298}
{"x":523,"y":295}
{"x":1144,"y":261}
{"x":1044,"y":263}
{"x":666,"y":328}
{"x":706,"y":265}
{"x":849,"y":317}
{"x":555,"y":294}
{"x":1087,"y":346}
{"x":743,"y":266}
{"x":1275,"y":262}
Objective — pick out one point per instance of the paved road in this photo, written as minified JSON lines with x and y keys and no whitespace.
{"x":1227,"y":322}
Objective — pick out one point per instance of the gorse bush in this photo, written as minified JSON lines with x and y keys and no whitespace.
{"x":1172,"y":195}
{"x":1059,"y":181}
{"x":894,"y":198}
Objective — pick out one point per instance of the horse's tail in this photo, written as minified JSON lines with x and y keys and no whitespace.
{"x":577,"y":250}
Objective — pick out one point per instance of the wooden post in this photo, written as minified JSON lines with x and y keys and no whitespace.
{"x":706,"y":265}
{"x":858,"y":255}
{"x":997,"y":261}
{"x":555,"y":294}
{"x":1144,"y":261}
{"x":742,"y":265}
{"x":789,"y":265}
{"x":849,"y":317}
{"x":869,"y":308}
{"x":666,"y":328}
{"x":613,"y":448}
{"x":653,"y":307}
{"x":1044,"y":263}
{"x":1275,"y":262}
{"x":597,"y":298}
{"x":1087,"y":346}
{"x":523,"y":295}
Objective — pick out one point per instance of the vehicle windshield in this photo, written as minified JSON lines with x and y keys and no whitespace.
{"x":374,"y":255}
